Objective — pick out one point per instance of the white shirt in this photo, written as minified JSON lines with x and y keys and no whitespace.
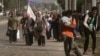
{"x":66,"y":20}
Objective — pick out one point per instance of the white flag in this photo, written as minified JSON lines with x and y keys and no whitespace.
{"x":31,"y":13}
{"x":18,"y":34}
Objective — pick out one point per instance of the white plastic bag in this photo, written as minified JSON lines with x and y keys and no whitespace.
{"x":18,"y":34}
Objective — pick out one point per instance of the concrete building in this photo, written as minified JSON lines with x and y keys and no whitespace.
{"x":88,"y":4}
{"x":98,"y":5}
{"x":45,"y":1}
{"x":70,"y":4}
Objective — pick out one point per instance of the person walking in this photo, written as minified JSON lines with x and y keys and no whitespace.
{"x":13,"y":24}
{"x":49,"y":24}
{"x":27,"y":25}
{"x":68,"y":25}
{"x":55,"y":26}
{"x":41,"y":29}
{"x":90,"y":26}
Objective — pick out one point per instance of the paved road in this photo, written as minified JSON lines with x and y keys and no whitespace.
{"x":52,"y":47}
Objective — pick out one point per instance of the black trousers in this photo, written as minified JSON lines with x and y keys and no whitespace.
{"x":67,"y":45}
{"x":13,"y":36}
{"x":41,"y":40}
{"x":56,"y":33}
{"x":81,"y":30}
{"x":93,"y":36}
{"x":48,"y":34}
{"x":29,"y":38}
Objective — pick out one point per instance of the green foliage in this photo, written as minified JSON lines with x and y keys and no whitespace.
{"x":79,"y":5}
{"x":61,"y":3}
{"x":0,"y":8}
{"x":16,"y":4}
{"x":13,"y":4}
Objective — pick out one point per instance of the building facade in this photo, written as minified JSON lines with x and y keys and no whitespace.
{"x":70,"y":4}
{"x":88,"y":4}
{"x":98,"y":5}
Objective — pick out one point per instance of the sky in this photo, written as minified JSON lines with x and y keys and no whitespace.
{"x":45,"y":1}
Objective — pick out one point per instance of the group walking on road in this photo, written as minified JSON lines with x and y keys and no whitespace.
{"x":53,"y":25}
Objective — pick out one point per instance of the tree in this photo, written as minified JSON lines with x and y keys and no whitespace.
{"x":0,"y":8}
{"x":6,"y":4}
{"x":61,"y":3}
{"x":79,"y":4}
{"x":13,"y":4}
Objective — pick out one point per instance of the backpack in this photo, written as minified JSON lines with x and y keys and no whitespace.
{"x":39,"y":27}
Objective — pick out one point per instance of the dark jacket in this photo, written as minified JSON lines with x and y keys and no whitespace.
{"x":89,"y":18}
{"x":27,"y":24}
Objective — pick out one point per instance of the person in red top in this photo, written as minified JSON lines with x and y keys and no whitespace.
{"x":69,"y":24}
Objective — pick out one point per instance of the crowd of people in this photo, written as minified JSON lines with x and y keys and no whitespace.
{"x":59,"y":26}
{"x":42,"y":28}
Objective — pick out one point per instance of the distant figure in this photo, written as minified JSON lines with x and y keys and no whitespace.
{"x":49,"y":23}
{"x":90,"y":24}
{"x":55,"y":26}
{"x":13,"y":26}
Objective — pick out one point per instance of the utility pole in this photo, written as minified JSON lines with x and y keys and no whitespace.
{"x":46,"y":4}
{"x":69,"y":4}
{"x":66,"y":4}
{"x":19,"y":5}
{"x":2,"y":5}
{"x":74,"y":4}
{"x":94,"y":3}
